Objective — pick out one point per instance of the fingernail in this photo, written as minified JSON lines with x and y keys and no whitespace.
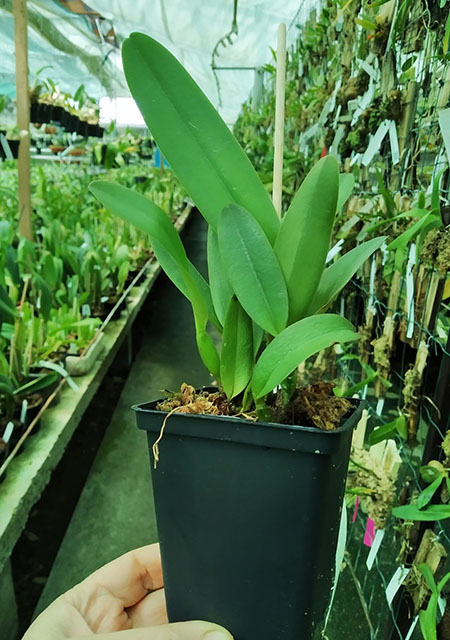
{"x":218,"y":635}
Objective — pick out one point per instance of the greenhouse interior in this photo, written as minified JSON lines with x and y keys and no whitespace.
{"x":237,"y":213}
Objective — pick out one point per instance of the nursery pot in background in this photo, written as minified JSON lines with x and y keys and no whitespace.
{"x":248,"y":517}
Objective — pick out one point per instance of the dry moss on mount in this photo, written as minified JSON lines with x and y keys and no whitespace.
{"x":380,"y":487}
{"x":436,"y":249}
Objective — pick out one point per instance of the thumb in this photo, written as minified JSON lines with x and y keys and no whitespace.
{"x":195,"y":630}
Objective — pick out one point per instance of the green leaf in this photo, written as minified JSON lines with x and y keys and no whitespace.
{"x":426,"y":495}
{"x":429,"y":473}
{"x":340,"y":272}
{"x":296,"y":343}
{"x":236,"y":358}
{"x":221,"y":290}
{"x":252,"y":268}
{"x":432,"y":513}
{"x":192,"y":136}
{"x":384,"y":432}
{"x":404,"y":238}
{"x":144,"y":214}
{"x":427,"y":620}
{"x":429,"y":577}
{"x":7,"y":307}
{"x":346,"y":184}
{"x":401,"y":427}
{"x":303,"y":240}
{"x":446,"y":36}
{"x":38,"y":384}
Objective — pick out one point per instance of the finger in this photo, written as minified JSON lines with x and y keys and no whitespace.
{"x":128,"y":578}
{"x":196,"y":630}
{"x":151,"y":610}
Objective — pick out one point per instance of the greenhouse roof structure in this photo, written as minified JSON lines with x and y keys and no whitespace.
{"x":82,"y":41}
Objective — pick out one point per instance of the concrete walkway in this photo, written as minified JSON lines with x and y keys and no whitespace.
{"x":115,"y":510}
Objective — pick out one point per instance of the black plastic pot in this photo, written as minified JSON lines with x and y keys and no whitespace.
{"x":248,"y":518}
{"x":14,"y":146}
{"x":58,"y":113}
{"x":82,"y":128}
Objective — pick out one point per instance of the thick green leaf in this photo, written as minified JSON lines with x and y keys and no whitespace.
{"x":303,"y":240}
{"x":7,"y":307}
{"x":144,"y":214}
{"x":340,"y":272}
{"x":429,"y":577}
{"x":404,"y":238}
{"x":427,"y":620}
{"x":252,"y":268}
{"x":296,"y":343}
{"x":38,"y":384}
{"x":384,"y":432}
{"x":430,"y":514}
{"x":346,"y":184}
{"x":426,"y":495}
{"x":236,"y":358}
{"x":221,"y":290}
{"x":197,"y":143}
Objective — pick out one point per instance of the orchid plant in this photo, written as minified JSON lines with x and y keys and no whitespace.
{"x":268,"y":287}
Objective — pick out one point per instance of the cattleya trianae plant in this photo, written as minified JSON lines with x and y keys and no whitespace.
{"x":268,"y":286}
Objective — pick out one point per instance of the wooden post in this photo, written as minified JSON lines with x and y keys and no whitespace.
{"x":278,"y":140}
{"x":23,"y":115}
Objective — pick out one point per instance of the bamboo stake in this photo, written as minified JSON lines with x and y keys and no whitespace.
{"x":23,"y":115}
{"x":278,"y":141}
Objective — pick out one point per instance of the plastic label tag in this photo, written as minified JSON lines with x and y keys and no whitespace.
{"x":380,"y":405}
{"x":334,"y":251}
{"x":396,"y":582}
{"x":411,"y":628}
{"x":8,"y":432}
{"x":395,"y":151}
{"x":375,"y":143}
{"x":23,"y":411}
{"x":369,"y":534}
{"x":410,"y":290}
{"x":379,"y":535}
{"x":444,"y":123}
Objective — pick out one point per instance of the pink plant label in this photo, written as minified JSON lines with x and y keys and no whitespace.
{"x":355,"y":511}
{"x":369,"y":535}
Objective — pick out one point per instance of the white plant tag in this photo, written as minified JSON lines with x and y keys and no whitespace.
{"x":85,"y":310}
{"x":395,"y":151}
{"x":444,"y":123}
{"x":6,"y":147}
{"x":373,"y":73}
{"x":375,"y":143}
{"x":334,"y":251}
{"x":340,"y":553}
{"x":371,"y":303}
{"x":379,"y":535}
{"x":380,"y":405}
{"x":8,"y":432}
{"x":23,"y":411}
{"x":396,"y":582}
{"x":410,"y":290}
{"x":356,"y":158}
{"x":411,"y":628}
{"x":340,"y":133}
{"x":349,"y":224}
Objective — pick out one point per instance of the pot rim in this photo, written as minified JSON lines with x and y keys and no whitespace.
{"x":348,"y":421}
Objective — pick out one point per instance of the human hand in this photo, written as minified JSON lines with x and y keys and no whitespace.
{"x":124,"y":600}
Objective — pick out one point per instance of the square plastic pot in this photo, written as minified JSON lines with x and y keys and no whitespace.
{"x":248,"y":517}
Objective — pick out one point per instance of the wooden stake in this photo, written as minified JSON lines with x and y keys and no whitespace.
{"x":278,"y":141}
{"x":23,"y":115}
